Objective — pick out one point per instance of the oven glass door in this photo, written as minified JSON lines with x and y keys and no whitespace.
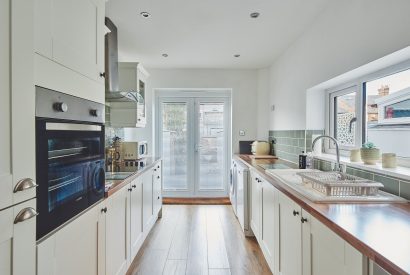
{"x":70,"y":171}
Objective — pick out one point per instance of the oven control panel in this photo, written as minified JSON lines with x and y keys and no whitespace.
{"x":53,"y":104}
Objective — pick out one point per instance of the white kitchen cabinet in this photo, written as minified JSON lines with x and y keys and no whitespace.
{"x":77,"y":248}
{"x":17,"y":167}
{"x":136,"y":233}
{"x":157,"y":189}
{"x":256,"y":201}
{"x":147,"y":202}
{"x":330,"y":254}
{"x":117,"y":232}
{"x":18,"y":240}
{"x":6,"y":180}
{"x":132,"y":78}
{"x":70,"y":48}
{"x":290,"y":235}
{"x":269,"y":221}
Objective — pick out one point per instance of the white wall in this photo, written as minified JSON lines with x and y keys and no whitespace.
{"x":346,"y":35}
{"x":244,"y":98}
{"x":263,"y":108}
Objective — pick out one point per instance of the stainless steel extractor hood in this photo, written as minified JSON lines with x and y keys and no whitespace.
{"x":112,"y":87}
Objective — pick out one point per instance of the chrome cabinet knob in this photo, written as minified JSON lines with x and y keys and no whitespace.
{"x":104,"y":210}
{"x":24,"y":184}
{"x":303,"y":220}
{"x":60,"y":107}
{"x":25,"y":214}
{"x":295,"y":213}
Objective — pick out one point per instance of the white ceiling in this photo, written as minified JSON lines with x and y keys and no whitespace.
{"x":207,"y":33}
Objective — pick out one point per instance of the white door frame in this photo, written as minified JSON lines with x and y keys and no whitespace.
{"x":191,"y":96}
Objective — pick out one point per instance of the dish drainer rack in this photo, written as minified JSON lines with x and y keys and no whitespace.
{"x":340,"y":185}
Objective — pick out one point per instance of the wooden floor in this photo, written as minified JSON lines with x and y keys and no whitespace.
{"x":196,"y":240}
{"x":200,"y":201}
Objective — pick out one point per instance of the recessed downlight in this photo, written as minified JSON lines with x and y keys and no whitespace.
{"x":236,"y":55}
{"x":145,"y":14}
{"x":165,"y":55}
{"x":255,"y":14}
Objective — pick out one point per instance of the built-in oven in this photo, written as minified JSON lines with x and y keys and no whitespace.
{"x":70,"y":159}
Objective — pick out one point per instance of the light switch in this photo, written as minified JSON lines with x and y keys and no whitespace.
{"x":241,"y":133}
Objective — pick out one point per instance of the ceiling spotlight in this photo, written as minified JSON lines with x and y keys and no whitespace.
{"x":254,"y":14}
{"x":165,"y":55}
{"x":236,"y":55}
{"x":145,"y":14}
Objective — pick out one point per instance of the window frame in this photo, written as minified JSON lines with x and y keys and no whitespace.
{"x":332,"y":95}
{"x":361,"y":96}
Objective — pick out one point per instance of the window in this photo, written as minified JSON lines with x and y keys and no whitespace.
{"x":388,"y":113}
{"x":374,"y":108}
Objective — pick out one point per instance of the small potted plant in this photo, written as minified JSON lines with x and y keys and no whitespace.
{"x":369,"y":153}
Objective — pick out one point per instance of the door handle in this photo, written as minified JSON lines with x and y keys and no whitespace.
{"x":24,"y":184}
{"x":25,"y":214}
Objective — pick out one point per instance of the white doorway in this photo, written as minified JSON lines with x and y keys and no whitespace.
{"x":194,"y":139}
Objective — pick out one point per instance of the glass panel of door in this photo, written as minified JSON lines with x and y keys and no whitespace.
{"x":193,"y":144}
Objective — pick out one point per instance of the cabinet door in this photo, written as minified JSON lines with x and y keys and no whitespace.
{"x":269,"y":223}
{"x":330,"y":254}
{"x":157,"y":198}
{"x":290,"y":235}
{"x":18,"y":240}
{"x":22,"y":100}
{"x":136,"y":234}
{"x":117,"y":232}
{"x":6,"y":193}
{"x":255,"y":205}
{"x":76,"y":42}
{"x":147,"y":207}
{"x":75,"y":248}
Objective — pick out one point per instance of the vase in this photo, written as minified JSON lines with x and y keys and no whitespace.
{"x":370,"y":155}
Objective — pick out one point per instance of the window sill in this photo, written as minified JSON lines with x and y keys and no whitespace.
{"x":398,"y":172}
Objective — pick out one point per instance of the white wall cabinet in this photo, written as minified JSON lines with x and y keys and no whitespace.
{"x":18,"y":240}
{"x":136,"y":228}
{"x":70,"y":48}
{"x":117,"y":232}
{"x":77,"y":248}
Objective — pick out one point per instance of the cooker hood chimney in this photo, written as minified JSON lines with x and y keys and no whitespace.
{"x":112,"y":87}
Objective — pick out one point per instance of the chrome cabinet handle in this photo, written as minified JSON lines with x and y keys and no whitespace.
{"x":25,"y":214}
{"x":24,"y":184}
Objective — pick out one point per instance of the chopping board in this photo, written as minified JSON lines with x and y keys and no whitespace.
{"x":262,"y":157}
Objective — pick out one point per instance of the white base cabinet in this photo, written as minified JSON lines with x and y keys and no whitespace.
{"x":102,"y":241}
{"x":18,"y":241}
{"x":136,"y":228}
{"x":117,"y":230}
{"x":157,"y":188}
{"x":295,"y":243}
{"x":77,"y":248}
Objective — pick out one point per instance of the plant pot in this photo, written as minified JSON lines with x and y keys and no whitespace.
{"x":370,"y":156}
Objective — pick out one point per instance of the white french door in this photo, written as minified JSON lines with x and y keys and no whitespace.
{"x":193,"y":136}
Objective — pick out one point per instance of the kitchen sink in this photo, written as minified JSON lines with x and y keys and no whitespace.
{"x":117,"y":175}
{"x":291,"y":178}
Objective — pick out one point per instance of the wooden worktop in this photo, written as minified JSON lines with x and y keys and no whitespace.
{"x":119,"y":184}
{"x":379,"y":231}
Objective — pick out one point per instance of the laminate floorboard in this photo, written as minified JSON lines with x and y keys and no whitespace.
{"x":198,"y":240}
